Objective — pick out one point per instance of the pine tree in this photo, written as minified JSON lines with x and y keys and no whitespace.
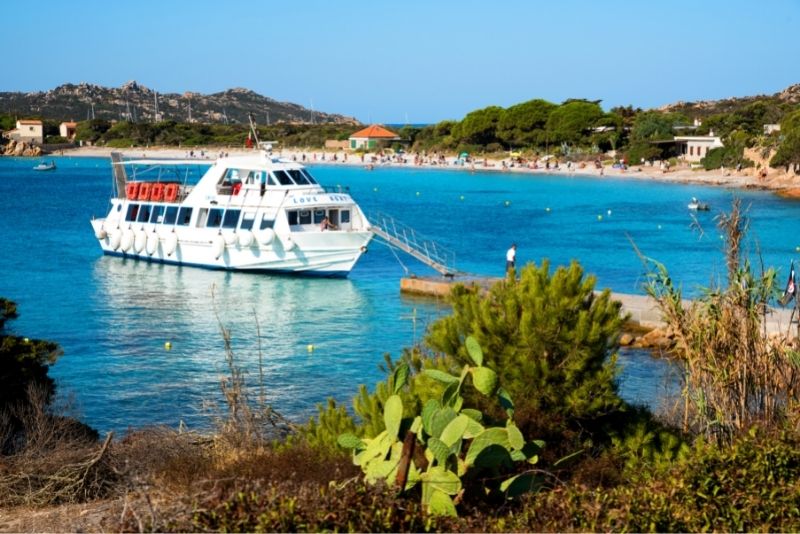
{"x":550,"y":338}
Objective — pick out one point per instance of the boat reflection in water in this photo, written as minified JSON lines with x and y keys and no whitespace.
{"x":144,"y":305}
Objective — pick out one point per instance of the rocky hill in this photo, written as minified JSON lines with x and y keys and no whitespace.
{"x":703,"y":108}
{"x":135,"y":102}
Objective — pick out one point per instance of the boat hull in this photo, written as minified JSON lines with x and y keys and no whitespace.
{"x":326,"y":254}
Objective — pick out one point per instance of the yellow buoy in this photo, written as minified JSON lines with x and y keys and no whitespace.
{"x":507,"y":203}
{"x":167,"y":346}
{"x":599,"y":217}
{"x":797,"y":249}
{"x":310,"y":348}
{"x":547,"y":210}
{"x":417,"y":193}
{"x":461,"y":197}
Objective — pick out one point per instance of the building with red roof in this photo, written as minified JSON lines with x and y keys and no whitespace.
{"x":373,"y":136}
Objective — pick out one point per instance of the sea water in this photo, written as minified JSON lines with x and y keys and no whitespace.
{"x":317,"y":338}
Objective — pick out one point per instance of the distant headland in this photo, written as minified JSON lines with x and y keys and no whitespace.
{"x":135,"y":102}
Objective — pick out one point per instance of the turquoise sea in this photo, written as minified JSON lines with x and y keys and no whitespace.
{"x":113,"y":316}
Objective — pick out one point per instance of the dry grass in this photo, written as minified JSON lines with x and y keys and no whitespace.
{"x":735,"y":376}
{"x":51,"y":459}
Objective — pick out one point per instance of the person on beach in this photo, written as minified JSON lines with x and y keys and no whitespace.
{"x":511,"y":257}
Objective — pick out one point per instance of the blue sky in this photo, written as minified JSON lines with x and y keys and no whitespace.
{"x":418,"y":61}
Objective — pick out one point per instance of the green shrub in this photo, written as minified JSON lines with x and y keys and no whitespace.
{"x":746,"y":487}
{"x":24,"y":362}
{"x":727,"y":156}
{"x":637,"y":152}
{"x":55,"y":139}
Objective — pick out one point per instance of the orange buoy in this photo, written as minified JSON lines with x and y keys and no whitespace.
{"x":171,"y":192}
{"x":144,"y":190}
{"x":157,"y":192}
{"x":132,"y":190}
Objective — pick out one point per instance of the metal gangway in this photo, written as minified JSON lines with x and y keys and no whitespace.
{"x":398,"y":235}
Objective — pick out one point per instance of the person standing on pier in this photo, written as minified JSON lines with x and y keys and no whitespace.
{"x":511,"y":257}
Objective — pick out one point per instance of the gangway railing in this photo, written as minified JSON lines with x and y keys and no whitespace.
{"x":405,"y":238}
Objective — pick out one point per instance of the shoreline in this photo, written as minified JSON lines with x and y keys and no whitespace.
{"x":785,"y":186}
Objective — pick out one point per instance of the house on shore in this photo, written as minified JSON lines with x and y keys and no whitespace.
{"x":374,"y":136}
{"x":693,"y":148}
{"x":67,"y":130}
{"x":27,"y":131}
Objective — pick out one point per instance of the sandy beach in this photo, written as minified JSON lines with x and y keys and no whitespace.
{"x":786,"y":185}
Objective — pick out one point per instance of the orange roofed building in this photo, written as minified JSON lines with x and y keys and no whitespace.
{"x":372,"y":137}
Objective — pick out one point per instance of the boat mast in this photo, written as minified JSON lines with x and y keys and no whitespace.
{"x":253,"y":128}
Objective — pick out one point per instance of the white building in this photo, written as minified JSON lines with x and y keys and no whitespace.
{"x":28,"y":131}
{"x":67,"y":129}
{"x":695,"y":147}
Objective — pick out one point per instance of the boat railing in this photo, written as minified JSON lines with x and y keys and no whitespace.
{"x":402,"y":236}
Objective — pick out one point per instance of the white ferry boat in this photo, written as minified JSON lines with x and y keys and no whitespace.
{"x":254,"y":213}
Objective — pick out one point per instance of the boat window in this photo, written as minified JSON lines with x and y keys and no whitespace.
{"x":214,"y":218}
{"x":248,"y":219}
{"x":266,"y":222}
{"x":184,"y":216}
{"x":171,"y":215}
{"x":144,"y":213}
{"x":292,"y":216}
{"x":345,"y":216}
{"x":283,"y":178}
{"x":158,"y":214}
{"x":318,"y":216}
{"x":298,"y":177}
{"x":133,"y":211}
{"x":305,"y":217}
{"x":250,"y":179}
{"x":308,"y":176}
{"x":231,"y":218}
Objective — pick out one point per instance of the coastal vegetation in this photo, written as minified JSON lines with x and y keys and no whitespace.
{"x":575,"y":129}
{"x":505,"y":417}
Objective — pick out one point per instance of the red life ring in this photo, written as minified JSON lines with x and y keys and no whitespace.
{"x":171,"y":192}
{"x":157,"y":192}
{"x":144,"y":190}
{"x":132,"y":190}
{"x":236,"y":188}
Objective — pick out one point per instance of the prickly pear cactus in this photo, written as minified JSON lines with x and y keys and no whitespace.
{"x":454,"y":439}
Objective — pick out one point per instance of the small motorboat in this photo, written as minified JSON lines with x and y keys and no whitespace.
{"x":696,"y":205}
{"x":51,"y":166}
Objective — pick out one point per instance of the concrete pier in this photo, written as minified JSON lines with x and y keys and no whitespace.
{"x":642,"y":309}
